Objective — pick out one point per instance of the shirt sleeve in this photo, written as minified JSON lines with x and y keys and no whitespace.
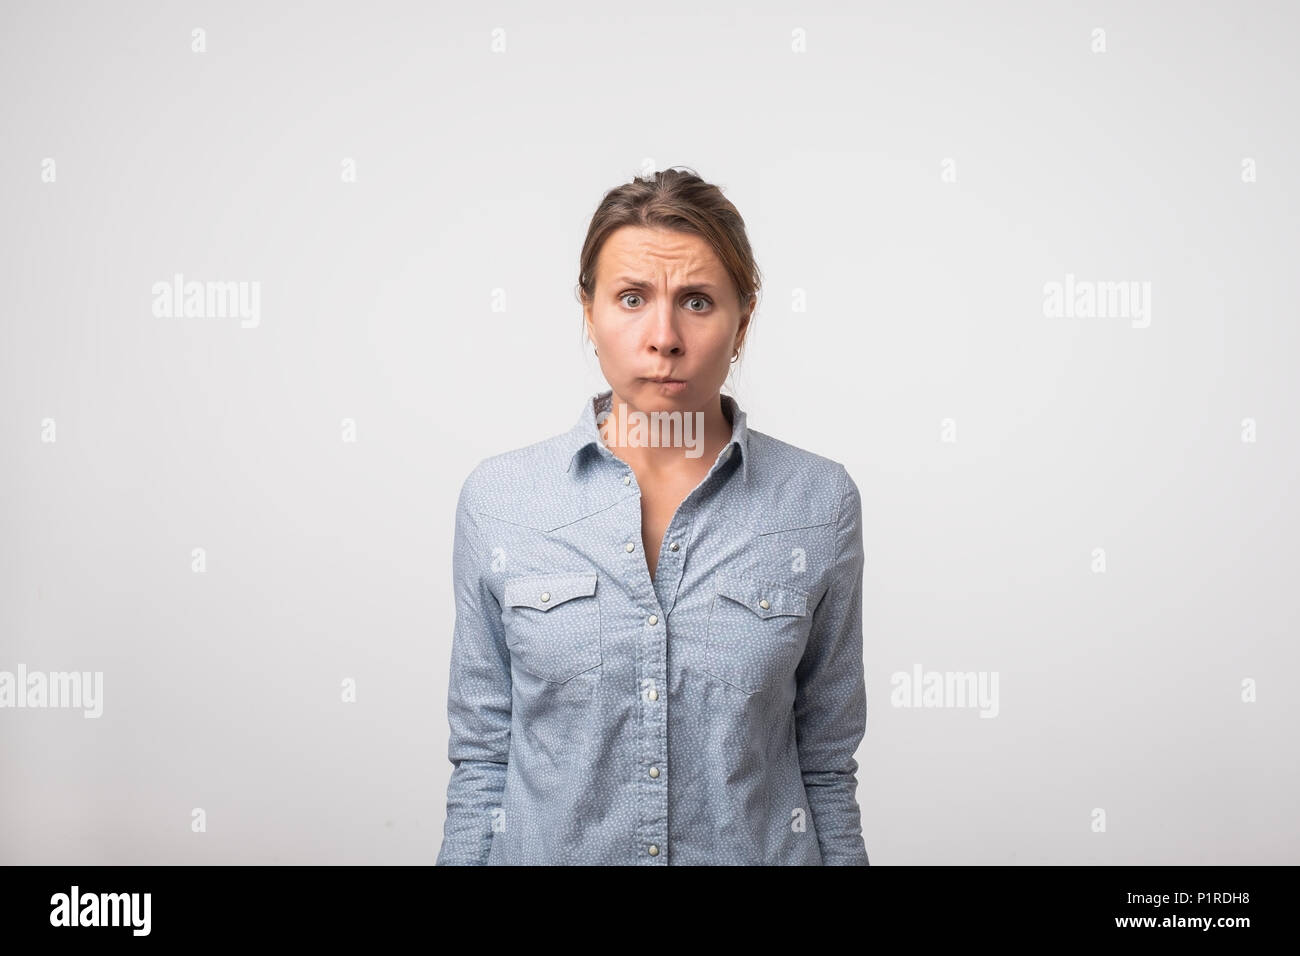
{"x":830,"y":703}
{"x":478,"y":700}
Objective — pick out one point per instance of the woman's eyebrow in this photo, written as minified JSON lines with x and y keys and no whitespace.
{"x":643,"y":284}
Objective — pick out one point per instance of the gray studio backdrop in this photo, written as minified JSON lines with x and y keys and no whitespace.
{"x":1030,"y":275}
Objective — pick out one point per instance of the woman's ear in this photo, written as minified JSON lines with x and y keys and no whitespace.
{"x":742,"y":331}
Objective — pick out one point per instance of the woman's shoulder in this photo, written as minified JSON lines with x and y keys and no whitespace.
{"x":802,"y":486}
{"x":778,"y":458}
{"x":524,"y":484}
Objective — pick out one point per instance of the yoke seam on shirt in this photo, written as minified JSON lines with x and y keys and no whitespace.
{"x":516,"y":524}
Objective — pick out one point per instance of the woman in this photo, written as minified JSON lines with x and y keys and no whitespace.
{"x":657,"y":655}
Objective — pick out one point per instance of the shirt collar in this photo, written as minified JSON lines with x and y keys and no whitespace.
{"x":586,"y":432}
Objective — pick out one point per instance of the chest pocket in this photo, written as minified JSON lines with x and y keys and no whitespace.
{"x":756,"y":632}
{"x":552,"y":624}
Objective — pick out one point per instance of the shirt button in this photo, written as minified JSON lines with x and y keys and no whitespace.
{"x":629,"y":546}
{"x":627,"y":479}
{"x":673,"y":546}
{"x":654,"y":771}
{"x":763,"y":604}
{"x":652,"y":620}
{"x":654,"y":694}
{"x":546,"y":595}
{"x":654,"y":850}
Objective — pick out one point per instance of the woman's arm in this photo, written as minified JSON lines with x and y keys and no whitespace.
{"x":478,"y":700}
{"x":831,"y":702}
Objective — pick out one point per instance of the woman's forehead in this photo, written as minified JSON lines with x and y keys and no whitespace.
{"x":640,"y":253}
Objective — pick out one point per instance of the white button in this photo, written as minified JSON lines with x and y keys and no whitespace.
{"x":546,"y":595}
{"x":673,"y":546}
{"x":629,"y":546}
{"x":654,"y":850}
{"x":654,"y":771}
{"x":627,"y":479}
{"x":654,"y":694}
{"x":763,"y":604}
{"x":652,"y":620}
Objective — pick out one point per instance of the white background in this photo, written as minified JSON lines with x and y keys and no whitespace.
{"x":476,"y":173}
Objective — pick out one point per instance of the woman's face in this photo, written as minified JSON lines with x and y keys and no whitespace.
{"x":664,"y":306}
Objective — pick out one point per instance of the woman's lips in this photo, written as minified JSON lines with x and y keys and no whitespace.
{"x":670,"y":385}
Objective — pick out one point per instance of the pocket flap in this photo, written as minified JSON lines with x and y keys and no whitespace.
{"x":780,"y":599}
{"x":545,"y":591}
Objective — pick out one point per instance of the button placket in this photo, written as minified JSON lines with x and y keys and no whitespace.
{"x":654,"y":714}
{"x":654,"y":739}
{"x":651,"y":666}
{"x":654,"y":595}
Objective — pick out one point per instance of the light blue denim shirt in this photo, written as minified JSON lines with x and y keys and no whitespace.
{"x":708,"y":716}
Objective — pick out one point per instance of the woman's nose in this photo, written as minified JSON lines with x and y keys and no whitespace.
{"x":664,"y":335}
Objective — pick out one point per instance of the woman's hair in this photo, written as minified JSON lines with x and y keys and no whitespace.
{"x":675,"y":199}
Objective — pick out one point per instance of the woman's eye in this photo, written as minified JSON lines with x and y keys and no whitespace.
{"x":627,"y":295}
{"x":699,"y":298}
